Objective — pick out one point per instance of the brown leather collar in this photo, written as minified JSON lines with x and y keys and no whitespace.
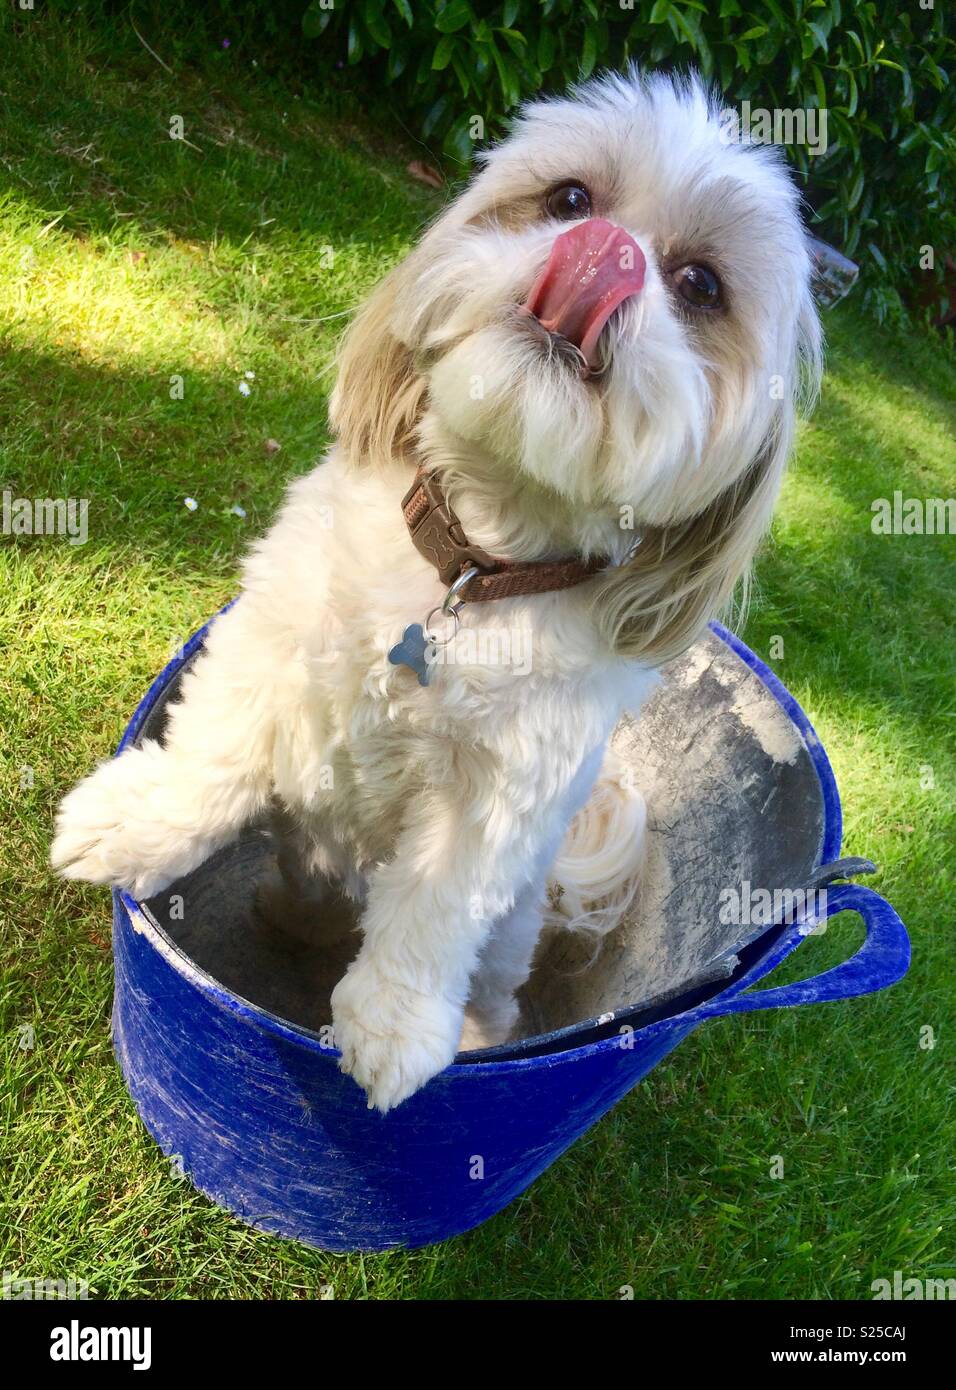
{"x":438,"y":535}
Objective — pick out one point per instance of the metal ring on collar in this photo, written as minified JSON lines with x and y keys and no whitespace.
{"x":464,"y":578}
{"x":434,"y":641}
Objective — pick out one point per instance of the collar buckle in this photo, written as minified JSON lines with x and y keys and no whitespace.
{"x":437,"y":533}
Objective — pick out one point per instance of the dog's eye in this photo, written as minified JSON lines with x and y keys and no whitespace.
{"x":698,"y":285}
{"x":569,"y":201}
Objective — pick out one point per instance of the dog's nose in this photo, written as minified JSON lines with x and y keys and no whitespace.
{"x":593,"y":268}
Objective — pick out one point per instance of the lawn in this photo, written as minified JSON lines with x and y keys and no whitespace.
{"x":141,"y":279}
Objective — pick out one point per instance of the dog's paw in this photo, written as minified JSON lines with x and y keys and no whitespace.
{"x":392,"y":1038}
{"x":97,"y":838}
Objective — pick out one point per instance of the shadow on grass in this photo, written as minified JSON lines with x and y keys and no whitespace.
{"x":91,"y":143}
{"x":74,"y":429}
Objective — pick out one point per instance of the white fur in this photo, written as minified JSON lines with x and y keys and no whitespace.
{"x":443,"y":809}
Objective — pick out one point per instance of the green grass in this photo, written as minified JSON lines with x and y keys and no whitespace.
{"x":127,"y":259}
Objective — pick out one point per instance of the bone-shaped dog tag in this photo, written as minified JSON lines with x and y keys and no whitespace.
{"x":412,"y":651}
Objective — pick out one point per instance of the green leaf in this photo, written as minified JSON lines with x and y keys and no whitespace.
{"x":315,"y":21}
{"x":507,"y":77}
{"x":935,"y":73}
{"x":423,"y":74}
{"x":820,"y":35}
{"x":852,"y":34}
{"x":458,"y":143}
{"x":463,"y":75}
{"x":515,"y":41}
{"x":690,"y":27}
{"x":907,"y":88}
{"x":510,"y":13}
{"x":546,"y":48}
{"x":397,"y":62}
{"x":434,"y":115}
{"x":444,"y":49}
{"x":856,"y":191}
{"x":589,"y":51}
{"x":659,"y":11}
{"x":377,"y":26}
{"x":854,"y":95}
{"x":405,"y":10}
{"x":454,"y":16}
{"x":768,"y":49}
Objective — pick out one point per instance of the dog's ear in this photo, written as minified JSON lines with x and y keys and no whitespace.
{"x":655,"y":605}
{"x":378,"y":394}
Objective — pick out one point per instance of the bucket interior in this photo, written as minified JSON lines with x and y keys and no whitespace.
{"x":733,"y":798}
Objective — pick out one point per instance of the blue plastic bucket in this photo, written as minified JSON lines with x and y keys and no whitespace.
{"x":264,"y":1123}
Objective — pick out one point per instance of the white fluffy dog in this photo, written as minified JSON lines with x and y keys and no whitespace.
{"x":592,"y":360}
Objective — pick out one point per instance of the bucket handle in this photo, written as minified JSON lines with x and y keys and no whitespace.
{"x":882,"y":959}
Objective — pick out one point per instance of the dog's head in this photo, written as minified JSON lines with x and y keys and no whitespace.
{"x":617,"y":313}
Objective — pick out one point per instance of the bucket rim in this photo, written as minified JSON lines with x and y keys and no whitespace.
{"x":685,"y":1009}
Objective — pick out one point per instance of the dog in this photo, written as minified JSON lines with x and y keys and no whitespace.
{"x":561,"y":424}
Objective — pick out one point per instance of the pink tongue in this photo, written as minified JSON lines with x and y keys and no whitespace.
{"x":593,"y":267}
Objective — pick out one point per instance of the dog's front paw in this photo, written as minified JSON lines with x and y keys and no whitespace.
{"x":392,"y":1038}
{"x":96,"y":837}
